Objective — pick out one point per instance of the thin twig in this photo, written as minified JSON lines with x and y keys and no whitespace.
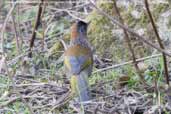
{"x":19,"y":98}
{"x":126,"y":63}
{"x":159,"y":41}
{"x":43,"y":25}
{"x":74,"y":16}
{"x":37,"y":23}
{"x":37,"y":84}
{"x":63,"y":43}
{"x":127,"y":39}
{"x":18,"y":26}
{"x":4,"y":26}
{"x":16,"y":34}
{"x":15,"y":60}
{"x":143,"y":39}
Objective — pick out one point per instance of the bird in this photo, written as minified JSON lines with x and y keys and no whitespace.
{"x":78,"y":61}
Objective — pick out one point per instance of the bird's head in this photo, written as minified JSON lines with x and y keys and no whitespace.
{"x":79,"y":29}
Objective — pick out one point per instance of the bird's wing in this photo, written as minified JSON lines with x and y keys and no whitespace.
{"x":77,"y":57}
{"x":75,"y":64}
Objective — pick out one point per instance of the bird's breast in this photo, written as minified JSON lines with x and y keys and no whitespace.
{"x":77,"y":50}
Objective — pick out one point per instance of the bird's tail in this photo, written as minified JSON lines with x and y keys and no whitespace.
{"x":80,"y":87}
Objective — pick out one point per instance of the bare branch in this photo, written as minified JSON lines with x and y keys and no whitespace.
{"x":126,"y":63}
{"x":127,"y":39}
{"x":4,"y":26}
{"x":37,"y":23}
{"x":16,"y":34}
{"x":159,"y":41}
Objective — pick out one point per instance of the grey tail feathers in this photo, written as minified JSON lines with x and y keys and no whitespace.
{"x":83,"y":88}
